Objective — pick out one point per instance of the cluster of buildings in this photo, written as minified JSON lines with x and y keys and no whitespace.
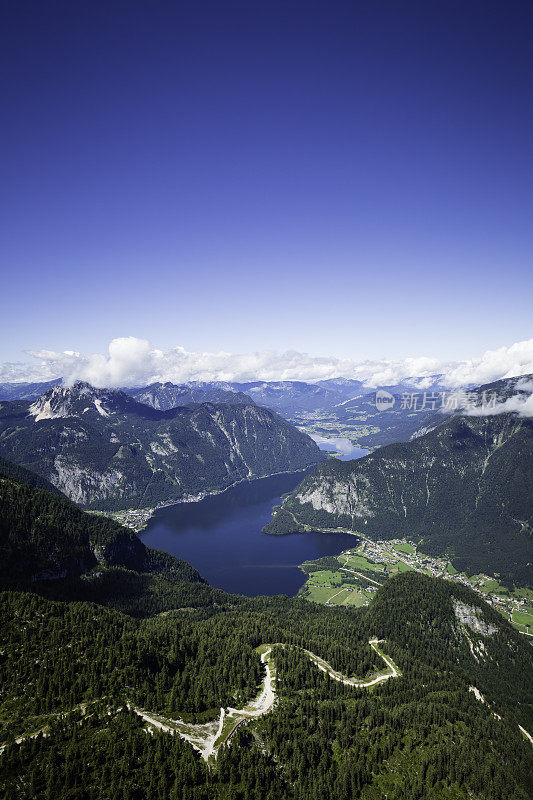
{"x":384,"y":552}
{"x":133,"y":518}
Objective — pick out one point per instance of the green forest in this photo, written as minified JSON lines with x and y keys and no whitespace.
{"x":78,"y":652}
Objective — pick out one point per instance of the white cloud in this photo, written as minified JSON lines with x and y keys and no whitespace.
{"x":524,"y":385}
{"x":470,"y":403}
{"x":505,"y":362}
{"x":521,"y":404}
{"x":131,"y":361}
{"x":386,"y":373}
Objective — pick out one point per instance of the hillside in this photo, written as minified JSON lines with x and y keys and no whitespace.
{"x":106,"y":451}
{"x":91,"y":680}
{"x":464,"y":488}
{"x":448,"y":727}
{"x":48,"y":545}
{"x":18,"y":473}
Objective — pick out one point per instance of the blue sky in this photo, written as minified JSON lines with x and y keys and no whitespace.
{"x":341,"y":178}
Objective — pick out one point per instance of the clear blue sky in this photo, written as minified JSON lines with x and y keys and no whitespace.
{"x":352,"y":178}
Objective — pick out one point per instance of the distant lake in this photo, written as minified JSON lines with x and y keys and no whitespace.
{"x":221,"y":536}
{"x":344,"y":447}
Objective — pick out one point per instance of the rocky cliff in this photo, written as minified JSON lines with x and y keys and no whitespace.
{"x":106,"y":451}
{"x":464,"y":488}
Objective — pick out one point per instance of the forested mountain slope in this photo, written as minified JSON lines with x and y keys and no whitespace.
{"x":48,"y":545}
{"x":10,"y":470}
{"x":69,"y":670}
{"x":464,"y":488}
{"x":422,"y":735}
{"x":105,"y":450}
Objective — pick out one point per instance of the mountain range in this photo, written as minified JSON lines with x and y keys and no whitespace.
{"x":463,"y":489}
{"x":330,"y":408}
{"x":26,"y":390}
{"x":165,"y":396}
{"x":107,"y":451}
{"x":335,"y":407}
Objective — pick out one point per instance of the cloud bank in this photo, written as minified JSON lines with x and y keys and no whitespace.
{"x":134,"y":362}
{"x":505,"y":362}
{"x":520,"y":403}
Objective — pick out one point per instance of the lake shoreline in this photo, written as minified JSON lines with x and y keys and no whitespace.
{"x":143,"y":515}
{"x":221,"y":537}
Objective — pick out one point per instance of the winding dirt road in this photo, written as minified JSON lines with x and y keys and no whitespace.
{"x":209,"y":737}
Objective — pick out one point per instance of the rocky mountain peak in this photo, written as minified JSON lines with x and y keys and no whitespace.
{"x":73,"y":401}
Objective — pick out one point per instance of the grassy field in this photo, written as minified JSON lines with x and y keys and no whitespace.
{"x":360,"y":562}
{"x":492,"y":587}
{"x":524,"y":619}
{"x":327,"y":578}
{"x":400,"y":566}
{"x":405,"y":547}
{"x":358,"y":599}
{"x":337,"y":596}
{"x":320,"y":594}
{"x":345,"y":588}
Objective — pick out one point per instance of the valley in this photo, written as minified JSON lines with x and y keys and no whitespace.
{"x":323,"y":423}
{"x":353,"y":577}
{"x":112,"y":640}
{"x":221,"y":537}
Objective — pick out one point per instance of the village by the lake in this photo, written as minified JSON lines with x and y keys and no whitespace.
{"x":353,"y":577}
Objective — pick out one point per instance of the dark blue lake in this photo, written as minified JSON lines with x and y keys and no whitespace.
{"x":221,"y":536}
